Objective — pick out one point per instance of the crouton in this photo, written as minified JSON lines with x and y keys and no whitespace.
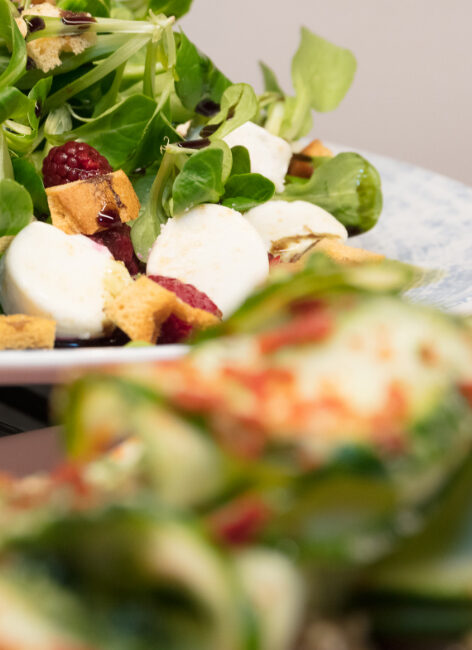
{"x":5,"y":242}
{"x":143,"y":306}
{"x":45,"y":52}
{"x":317,"y":149}
{"x":75,"y":207}
{"x":337,"y":250}
{"x":344,"y":254}
{"x":301,"y":164}
{"x":198,"y":318}
{"x":21,"y":332}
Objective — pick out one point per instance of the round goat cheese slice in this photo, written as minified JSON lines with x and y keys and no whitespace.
{"x":290,"y":227}
{"x":46,"y":272}
{"x":269,"y":154}
{"x":215,"y":249}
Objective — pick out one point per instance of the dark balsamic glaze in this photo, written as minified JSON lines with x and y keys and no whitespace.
{"x":79,"y":19}
{"x":302,"y":157}
{"x":207,"y":107}
{"x":108,"y":216}
{"x":30,"y":64}
{"x":195,"y":144}
{"x":35,"y":24}
{"x":118,"y":338}
{"x":209,"y":130}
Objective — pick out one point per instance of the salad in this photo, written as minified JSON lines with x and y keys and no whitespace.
{"x":143,"y":194}
{"x":253,"y":495}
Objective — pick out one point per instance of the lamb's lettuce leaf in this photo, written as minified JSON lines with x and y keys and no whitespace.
{"x":6,"y":168}
{"x":15,"y":43}
{"x":27,"y":175}
{"x":322,"y":71}
{"x":200,"y":181}
{"x":238,"y":105}
{"x":348,"y":187}
{"x":177,"y":8}
{"x":116,"y":132}
{"x":245,"y":191}
{"x":155,"y":212}
{"x":16,"y":207}
{"x":13,"y":104}
{"x":241,"y":161}
{"x":98,"y":8}
{"x":271,"y":83}
{"x":322,"y":74}
{"x":197,"y":77}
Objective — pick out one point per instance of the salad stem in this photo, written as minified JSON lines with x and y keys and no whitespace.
{"x":101,"y":70}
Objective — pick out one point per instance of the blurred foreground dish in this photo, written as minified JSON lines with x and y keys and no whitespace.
{"x":309,"y":459}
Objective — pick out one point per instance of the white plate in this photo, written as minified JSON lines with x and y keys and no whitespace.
{"x":427,"y":220}
{"x":53,"y":366}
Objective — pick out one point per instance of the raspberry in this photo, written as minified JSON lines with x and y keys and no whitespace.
{"x":73,"y":161}
{"x":174,"y":329}
{"x":118,"y":241}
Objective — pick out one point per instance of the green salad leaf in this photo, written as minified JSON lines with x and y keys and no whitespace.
{"x":15,"y":43}
{"x":200,"y":181}
{"x":271,"y":83}
{"x":197,"y":77}
{"x":16,"y":207}
{"x":238,"y":105}
{"x":245,"y":191}
{"x":6,"y":169}
{"x":114,"y":133}
{"x":348,"y":187}
{"x":154,"y":212}
{"x":177,"y":8}
{"x":98,"y":8}
{"x":27,"y":175}
{"x":13,"y":104}
{"x":241,"y":161}
{"x":322,"y":71}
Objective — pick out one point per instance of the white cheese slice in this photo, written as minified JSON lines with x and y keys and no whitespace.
{"x":288,"y":228}
{"x":216,"y":250}
{"x":64,"y":277}
{"x":269,"y":154}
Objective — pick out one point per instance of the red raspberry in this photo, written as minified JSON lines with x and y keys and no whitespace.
{"x":73,"y":161}
{"x":118,"y":241}
{"x":175,"y":330}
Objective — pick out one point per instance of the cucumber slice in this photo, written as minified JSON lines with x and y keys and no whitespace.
{"x":277,"y":593}
{"x":178,"y":556}
{"x":181,"y":462}
{"x":36,"y":614}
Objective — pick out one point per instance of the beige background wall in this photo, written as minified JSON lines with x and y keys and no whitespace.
{"x":412,"y":97}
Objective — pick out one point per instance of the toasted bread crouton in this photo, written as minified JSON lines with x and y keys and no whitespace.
{"x":317,"y":149}
{"x":198,"y":318}
{"x":21,"y":332}
{"x":75,"y":207}
{"x":45,"y":52}
{"x":343,"y":254}
{"x":337,"y":250}
{"x":301,"y":164}
{"x":5,"y":242}
{"x":141,"y":308}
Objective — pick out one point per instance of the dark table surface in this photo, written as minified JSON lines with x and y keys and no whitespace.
{"x":27,"y":441}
